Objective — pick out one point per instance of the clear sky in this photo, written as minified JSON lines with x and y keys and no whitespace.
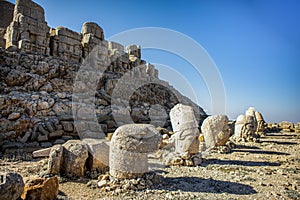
{"x":255,"y":44}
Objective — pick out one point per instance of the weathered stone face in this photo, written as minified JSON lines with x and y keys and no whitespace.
{"x":251,"y":112}
{"x":215,"y":130}
{"x":286,"y":126}
{"x":130,"y":145}
{"x":186,"y":130}
{"x":261,"y":124}
{"x":244,"y":127}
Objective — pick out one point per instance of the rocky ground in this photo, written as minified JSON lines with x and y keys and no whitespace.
{"x":266,"y":170}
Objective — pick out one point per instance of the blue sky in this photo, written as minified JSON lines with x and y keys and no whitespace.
{"x":255,"y":45}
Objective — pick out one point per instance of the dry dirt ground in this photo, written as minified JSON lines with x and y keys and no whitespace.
{"x":266,"y":170}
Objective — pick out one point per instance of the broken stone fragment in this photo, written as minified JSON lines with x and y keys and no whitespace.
{"x":186,"y":130}
{"x":130,"y":145}
{"x":215,"y":131}
{"x":41,"y":153}
{"x":14,"y":115}
{"x":75,"y":154}
{"x":41,"y":188}
{"x":55,"y":159}
{"x":11,"y":185}
{"x":98,"y":153}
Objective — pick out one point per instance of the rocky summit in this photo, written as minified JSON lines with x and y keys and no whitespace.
{"x":39,"y":65}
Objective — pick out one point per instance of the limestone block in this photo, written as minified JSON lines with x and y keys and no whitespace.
{"x":186,"y":130}
{"x":28,"y":30}
{"x":41,"y":153}
{"x":98,"y":153}
{"x":115,"y":45}
{"x":215,"y":130}
{"x":41,"y":188}
{"x":56,"y":134}
{"x":95,"y":29}
{"x":55,"y":159}
{"x":75,"y":154}
{"x":67,"y":125}
{"x":134,"y":50}
{"x":130,"y":145}
{"x":11,"y":185}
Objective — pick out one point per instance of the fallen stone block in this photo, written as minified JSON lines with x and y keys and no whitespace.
{"x":98,"y":153}
{"x":75,"y":154}
{"x":41,"y":153}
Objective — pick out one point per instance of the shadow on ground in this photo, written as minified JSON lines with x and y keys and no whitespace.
{"x":238,"y":162}
{"x":279,"y":143}
{"x":284,"y":136}
{"x":261,"y":152}
{"x":239,"y":146}
{"x":195,"y":184}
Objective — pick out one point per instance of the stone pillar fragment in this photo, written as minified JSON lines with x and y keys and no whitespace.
{"x":130,"y":145}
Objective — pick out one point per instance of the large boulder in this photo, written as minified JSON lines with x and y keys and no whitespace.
{"x":11,"y":185}
{"x":215,"y":131}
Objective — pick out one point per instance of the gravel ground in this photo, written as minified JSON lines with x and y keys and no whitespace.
{"x":266,"y":170}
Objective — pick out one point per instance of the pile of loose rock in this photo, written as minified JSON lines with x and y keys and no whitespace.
{"x":115,"y":186}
